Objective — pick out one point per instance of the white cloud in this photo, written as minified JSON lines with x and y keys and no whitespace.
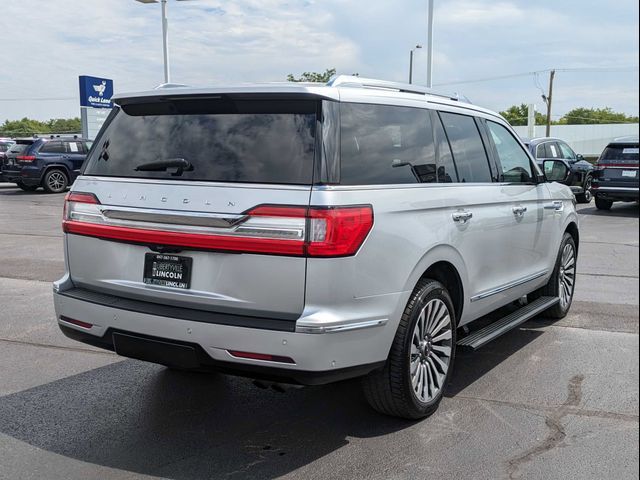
{"x":215,"y":41}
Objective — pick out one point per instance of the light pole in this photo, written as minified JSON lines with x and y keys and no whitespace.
{"x":411,"y":62}
{"x":165,"y":36}
{"x":430,"y":45}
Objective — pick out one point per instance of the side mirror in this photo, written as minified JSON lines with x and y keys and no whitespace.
{"x":579,"y":156}
{"x":556,"y":171}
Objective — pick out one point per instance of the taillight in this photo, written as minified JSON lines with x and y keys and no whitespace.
{"x":267,"y":229}
{"x":26,"y":158}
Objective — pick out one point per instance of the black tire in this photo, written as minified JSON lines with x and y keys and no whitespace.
{"x":27,"y":188}
{"x":602,"y":204}
{"x":552,"y":289}
{"x":55,"y":181}
{"x":587,"y":196}
{"x":390,"y":390}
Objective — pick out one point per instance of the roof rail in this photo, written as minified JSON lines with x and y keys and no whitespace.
{"x":170,"y":85}
{"x":359,"y":82}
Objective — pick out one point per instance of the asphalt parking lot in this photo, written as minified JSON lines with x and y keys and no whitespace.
{"x":548,"y":400}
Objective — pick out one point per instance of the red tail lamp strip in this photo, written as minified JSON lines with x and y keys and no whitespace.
{"x":330,"y":232}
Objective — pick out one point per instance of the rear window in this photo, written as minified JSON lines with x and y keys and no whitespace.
{"x":19,"y":147}
{"x":621,"y":152}
{"x":224,"y":140}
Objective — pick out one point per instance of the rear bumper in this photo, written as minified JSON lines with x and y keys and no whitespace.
{"x":617,"y":193}
{"x":318,"y":358}
{"x":26,"y":175}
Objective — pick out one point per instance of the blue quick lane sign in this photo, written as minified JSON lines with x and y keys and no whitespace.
{"x":95,"y":92}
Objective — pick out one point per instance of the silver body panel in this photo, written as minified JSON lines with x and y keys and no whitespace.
{"x":347,"y":309}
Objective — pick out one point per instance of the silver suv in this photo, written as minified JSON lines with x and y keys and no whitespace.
{"x":305,"y":233}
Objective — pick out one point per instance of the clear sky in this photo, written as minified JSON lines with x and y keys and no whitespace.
{"x":45,"y":45}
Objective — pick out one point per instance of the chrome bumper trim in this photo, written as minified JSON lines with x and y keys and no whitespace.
{"x":348,"y":327}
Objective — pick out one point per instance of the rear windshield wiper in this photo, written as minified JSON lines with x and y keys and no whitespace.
{"x":180,"y":164}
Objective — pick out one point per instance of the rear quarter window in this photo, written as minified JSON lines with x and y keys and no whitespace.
{"x":383,"y":144}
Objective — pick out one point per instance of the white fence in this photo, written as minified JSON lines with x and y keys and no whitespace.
{"x":589,"y":140}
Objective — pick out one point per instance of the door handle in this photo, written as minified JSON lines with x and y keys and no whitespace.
{"x":557,"y":206}
{"x":462,"y":216}
{"x":519,"y":211}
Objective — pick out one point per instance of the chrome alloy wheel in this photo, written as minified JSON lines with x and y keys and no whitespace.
{"x":56,"y":181}
{"x":567,"y":275}
{"x":431,"y":347}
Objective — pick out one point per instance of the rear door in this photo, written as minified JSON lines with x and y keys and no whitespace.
{"x":75,"y":154}
{"x":221,"y":185}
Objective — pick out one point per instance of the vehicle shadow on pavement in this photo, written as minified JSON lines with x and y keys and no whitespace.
{"x":630,"y":210}
{"x":146,"y":419}
{"x":471,"y":366}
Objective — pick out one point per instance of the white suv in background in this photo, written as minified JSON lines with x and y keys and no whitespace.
{"x":309,"y":233}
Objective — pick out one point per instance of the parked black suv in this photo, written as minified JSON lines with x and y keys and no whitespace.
{"x":616,"y":178}
{"x":51,"y":163}
{"x":5,"y":144}
{"x":581,"y":177}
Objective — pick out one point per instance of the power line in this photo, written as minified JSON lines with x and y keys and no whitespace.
{"x":612,"y":69}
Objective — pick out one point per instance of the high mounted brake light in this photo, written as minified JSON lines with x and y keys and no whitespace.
{"x":267,"y":229}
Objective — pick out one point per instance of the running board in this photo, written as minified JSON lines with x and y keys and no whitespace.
{"x":492,"y":331}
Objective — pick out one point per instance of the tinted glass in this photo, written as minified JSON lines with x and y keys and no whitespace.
{"x":53,"y":147}
{"x":4,"y":147}
{"x":224,"y":140}
{"x":381,"y":144}
{"x":468,"y":150}
{"x":19,"y":147}
{"x":621,"y":152}
{"x":516,"y":167}
{"x":74,"y":147}
{"x":552,"y":150}
{"x":446,"y":168}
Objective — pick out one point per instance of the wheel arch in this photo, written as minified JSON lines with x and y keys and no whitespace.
{"x":56,"y":166}
{"x":573,"y":230}
{"x":444,"y":264}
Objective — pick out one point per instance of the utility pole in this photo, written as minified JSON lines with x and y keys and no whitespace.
{"x":430,"y":45}
{"x":548,"y":100}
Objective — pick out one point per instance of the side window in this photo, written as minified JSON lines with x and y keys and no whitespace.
{"x":541,"y":151}
{"x":446,"y":168}
{"x":53,"y":147}
{"x":516,"y":167}
{"x":552,"y":149}
{"x":468,"y":150}
{"x":75,"y":147}
{"x":567,"y":153}
{"x":381,"y":144}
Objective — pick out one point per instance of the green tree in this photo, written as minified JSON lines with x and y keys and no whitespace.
{"x":64,"y":125}
{"x":582,"y":116}
{"x":517,"y":115}
{"x":28,"y":126}
{"x":313,"y":76}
